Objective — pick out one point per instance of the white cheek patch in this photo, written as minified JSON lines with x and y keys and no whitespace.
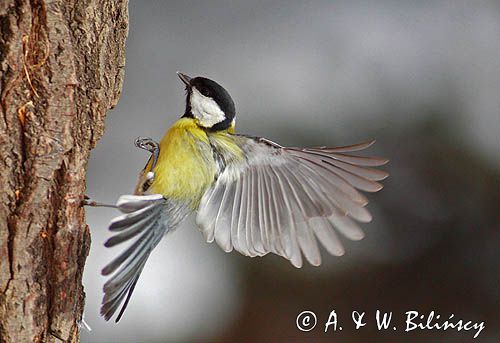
{"x":205,"y":109}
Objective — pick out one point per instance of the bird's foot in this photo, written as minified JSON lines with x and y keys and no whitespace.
{"x":92,"y":203}
{"x":150,"y":145}
{"x":147,"y":143}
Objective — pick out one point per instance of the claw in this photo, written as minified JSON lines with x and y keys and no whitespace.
{"x":150,"y":145}
{"x":146,"y":143}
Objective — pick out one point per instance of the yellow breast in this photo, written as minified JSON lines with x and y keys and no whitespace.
{"x":185,"y":167}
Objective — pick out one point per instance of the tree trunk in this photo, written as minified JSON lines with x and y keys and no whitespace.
{"x":61,"y":69}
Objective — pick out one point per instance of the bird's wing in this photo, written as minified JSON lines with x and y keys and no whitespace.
{"x":145,"y":219}
{"x":281,"y":200}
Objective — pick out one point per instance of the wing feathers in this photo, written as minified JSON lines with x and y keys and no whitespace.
{"x":324,"y":171}
{"x":289,"y":236}
{"x":209,"y":209}
{"x":367,"y":173}
{"x":146,"y":219}
{"x":349,"y":148}
{"x":351,"y":173}
{"x":110,"y":306}
{"x":327,"y":236}
{"x":131,"y":203}
{"x":285,"y":200}
{"x":251,"y":235}
{"x":346,"y":226}
{"x":359,"y":160}
{"x":263,"y":205}
{"x":222,"y":222}
{"x":242,"y":232}
{"x":235,"y":216}
{"x":332,"y":197}
{"x":274,"y":236}
{"x":255,"y":235}
{"x":308,"y":244}
{"x":127,"y":254}
{"x":134,"y":228}
{"x":124,"y":221}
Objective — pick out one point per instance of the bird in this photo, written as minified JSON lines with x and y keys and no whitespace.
{"x":249,"y":194}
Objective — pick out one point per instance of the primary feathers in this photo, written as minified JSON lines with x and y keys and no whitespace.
{"x":249,"y":194}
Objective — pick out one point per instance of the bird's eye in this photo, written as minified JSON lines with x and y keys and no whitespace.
{"x":204,"y":91}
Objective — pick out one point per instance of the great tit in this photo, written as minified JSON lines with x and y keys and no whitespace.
{"x":248,"y":193}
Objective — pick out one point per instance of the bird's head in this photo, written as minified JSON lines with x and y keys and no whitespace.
{"x":208,"y":102}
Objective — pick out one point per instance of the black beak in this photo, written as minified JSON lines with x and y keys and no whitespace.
{"x":184,"y":78}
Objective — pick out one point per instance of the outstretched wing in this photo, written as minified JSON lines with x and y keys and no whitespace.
{"x":145,"y":220}
{"x":281,"y":200}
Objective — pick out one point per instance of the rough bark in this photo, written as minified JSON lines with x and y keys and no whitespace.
{"x":61,"y":69}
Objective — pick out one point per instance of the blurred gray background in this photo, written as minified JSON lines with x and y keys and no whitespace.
{"x":422,"y":77}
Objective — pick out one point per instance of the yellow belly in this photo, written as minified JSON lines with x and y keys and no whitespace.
{"x":185,"y":167}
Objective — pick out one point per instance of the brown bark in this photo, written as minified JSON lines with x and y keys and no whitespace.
{"x":61,"y":69}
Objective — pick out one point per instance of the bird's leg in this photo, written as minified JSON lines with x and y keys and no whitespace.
{"x":145,"y":143}
{"x":89,"y":202}
{"x":150,"y":145}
